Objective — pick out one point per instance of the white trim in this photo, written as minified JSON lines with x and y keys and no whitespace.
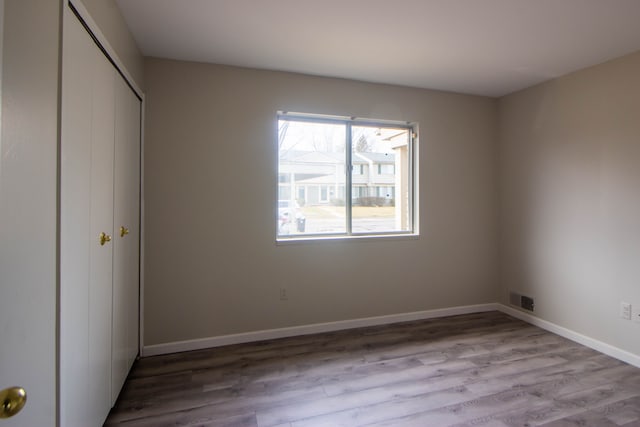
{"x":593,"y":343}
{"x":141,"y":228}
{"x":202,"y":343}
{"x":199,"y":344}
{"x":319,"y":238}
{"x":95,"y":30}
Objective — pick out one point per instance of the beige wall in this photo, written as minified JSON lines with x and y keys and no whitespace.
{"x":108,"y":17}
{"x":212,"y":266}
{"x":570,"y":199}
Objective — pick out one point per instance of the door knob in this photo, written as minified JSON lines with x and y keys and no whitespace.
{"x":104,"y":238}
{"x":12,"y":400}
{"x":123,"y":231}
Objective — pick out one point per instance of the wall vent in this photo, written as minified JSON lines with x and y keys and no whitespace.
{"x":521,"y":301}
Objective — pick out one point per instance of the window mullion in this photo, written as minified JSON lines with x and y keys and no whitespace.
{"x":348,"y":178}
{"x":410,"y":180}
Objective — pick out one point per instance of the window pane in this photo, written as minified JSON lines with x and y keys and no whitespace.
{"x":311,"y":157}
{"x":380,"y":194}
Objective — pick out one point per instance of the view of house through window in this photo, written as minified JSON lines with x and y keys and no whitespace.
{"x":343,"y":177}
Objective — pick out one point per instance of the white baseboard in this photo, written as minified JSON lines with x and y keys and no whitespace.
{"x":202,"y":343}
{"x":600,"y":346}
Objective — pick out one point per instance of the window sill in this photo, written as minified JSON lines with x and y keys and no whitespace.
{"x":362,"y":238}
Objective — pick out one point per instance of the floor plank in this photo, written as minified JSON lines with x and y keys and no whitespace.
{"x":484,"y":369}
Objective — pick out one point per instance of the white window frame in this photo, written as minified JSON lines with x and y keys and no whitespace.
{"x":412,"y":150}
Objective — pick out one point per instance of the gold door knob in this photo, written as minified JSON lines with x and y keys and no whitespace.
{"x":104,"y":238}
{"x":12,"y":400}
{"x":123,"y":231}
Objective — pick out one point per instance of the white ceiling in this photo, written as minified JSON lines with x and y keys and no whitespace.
{"x":484,"y":47}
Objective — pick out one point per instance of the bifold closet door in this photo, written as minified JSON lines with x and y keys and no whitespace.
{"x":75,"y":225}
{"x":126,"y":223}
{"x":101,"y":237}
{"x":86,"y":228}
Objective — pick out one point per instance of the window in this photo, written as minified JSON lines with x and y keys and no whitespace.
{"x":386,"y":169}
{"x":329,"y":158}
{"x":324,"y":193}
{"x":386,"y":192}
{"x":302,"y":194}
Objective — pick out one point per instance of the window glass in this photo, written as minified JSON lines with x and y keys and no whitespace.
{"x":311,"y":154}
{"x":375,"y":207}
{"x":350,"y":178}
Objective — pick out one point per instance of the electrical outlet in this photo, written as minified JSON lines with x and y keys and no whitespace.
{"x":625,"y":310}
{"x":635,"y":313}
{"x":283,"y":294}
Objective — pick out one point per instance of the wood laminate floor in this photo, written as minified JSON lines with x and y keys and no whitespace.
{"x":485,"y":369}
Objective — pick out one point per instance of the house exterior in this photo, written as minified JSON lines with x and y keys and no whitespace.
{"x":318,"y":178}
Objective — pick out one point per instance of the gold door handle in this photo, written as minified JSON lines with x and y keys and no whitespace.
{"x":12,"y":400}
{"x":123,"y":231}
{"x":104,"y":238}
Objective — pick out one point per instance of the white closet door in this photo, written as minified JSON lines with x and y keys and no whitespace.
{"x":75,"y":190}
{"x":86,"y":211}
{"x":126,"y":226}
{"x":101,"y":255}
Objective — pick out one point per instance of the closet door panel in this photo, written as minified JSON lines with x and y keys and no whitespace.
{"x":75,"y":227}
{"x":101,"y":252}
{"x":126,"y":225}
{"x":86,"y":211}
